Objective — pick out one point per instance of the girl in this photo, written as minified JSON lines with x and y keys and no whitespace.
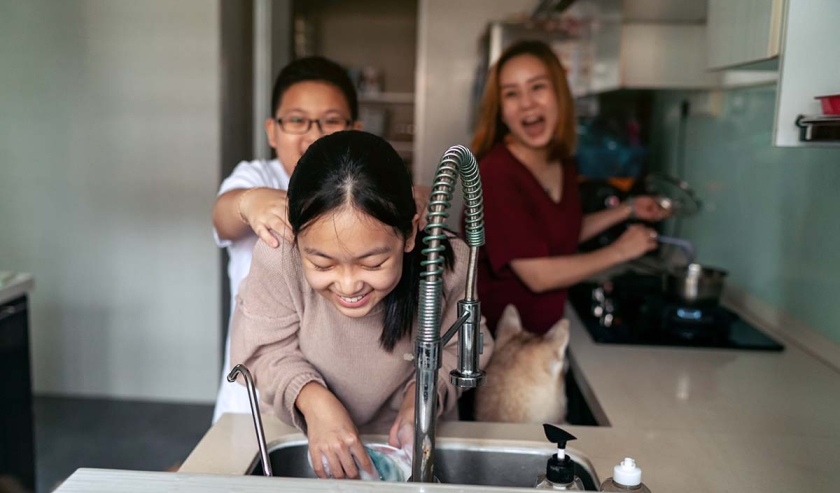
{"x":325,"y":322}
{"x":312,"y":97}
{"x":525,"y":142}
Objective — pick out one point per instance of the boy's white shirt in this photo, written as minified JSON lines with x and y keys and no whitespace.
{"x":233,"y":398}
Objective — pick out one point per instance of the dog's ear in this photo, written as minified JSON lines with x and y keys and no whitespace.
{"x":509,"y":326}
{"x":558,"y":336}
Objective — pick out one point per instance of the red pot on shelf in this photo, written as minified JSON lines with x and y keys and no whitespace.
{"x":830,"y":104}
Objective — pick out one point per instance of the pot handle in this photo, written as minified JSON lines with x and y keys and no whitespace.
{"x":686,"y":246}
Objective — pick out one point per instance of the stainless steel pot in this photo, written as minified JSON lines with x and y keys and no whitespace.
{"x":695,"y":284}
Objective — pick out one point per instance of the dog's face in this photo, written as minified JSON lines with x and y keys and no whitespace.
{"x":546,"y":352}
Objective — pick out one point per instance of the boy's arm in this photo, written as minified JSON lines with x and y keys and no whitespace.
{"x":237,"y":213}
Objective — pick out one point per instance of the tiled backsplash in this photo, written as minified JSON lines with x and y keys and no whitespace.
{"x":771,"y":215}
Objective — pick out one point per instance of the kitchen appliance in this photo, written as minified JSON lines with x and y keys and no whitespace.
{"x":17,"y":443}
{"x":635,"y":309}
{"x":694,"y":284}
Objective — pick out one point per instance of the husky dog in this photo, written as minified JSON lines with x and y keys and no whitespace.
{"x":525,"y":375}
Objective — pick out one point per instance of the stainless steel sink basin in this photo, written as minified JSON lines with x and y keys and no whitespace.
{"x":455,"y":463}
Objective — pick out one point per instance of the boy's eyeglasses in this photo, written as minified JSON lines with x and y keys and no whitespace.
{"x":299,"y":125}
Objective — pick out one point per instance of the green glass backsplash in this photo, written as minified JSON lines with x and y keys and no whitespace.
{"x":771,"y":215}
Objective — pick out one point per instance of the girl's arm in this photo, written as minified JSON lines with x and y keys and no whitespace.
{"x":264,"y":337}
{"x":264,"y":334}
{"x":332,"y":435}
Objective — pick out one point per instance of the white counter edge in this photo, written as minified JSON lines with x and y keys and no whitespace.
{"x":18,"y":286}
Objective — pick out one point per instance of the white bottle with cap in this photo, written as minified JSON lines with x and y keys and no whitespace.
{"x":626,"y":477}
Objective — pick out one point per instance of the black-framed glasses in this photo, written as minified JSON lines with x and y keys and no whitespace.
{"x":299,"y":125}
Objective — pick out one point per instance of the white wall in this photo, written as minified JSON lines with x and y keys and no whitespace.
{"x":109,"y":161}
{"x":448,"y":34}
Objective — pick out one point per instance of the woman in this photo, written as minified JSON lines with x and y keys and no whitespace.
{"x":525,"y":142}
{"x":325,"y":322}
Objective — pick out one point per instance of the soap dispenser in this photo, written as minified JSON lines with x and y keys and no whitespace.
{"x":560,"y":470}
{"x":627,"y":476}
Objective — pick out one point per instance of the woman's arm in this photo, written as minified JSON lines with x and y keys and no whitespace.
{"x":642,"y":207}
{"x":597,"y":222}
{"x":548,"y":273}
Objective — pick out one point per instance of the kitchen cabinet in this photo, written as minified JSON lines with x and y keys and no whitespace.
{"x":376,"y":40}
{"x":794,"y":41}
{"x":17,"y":448}
{"x":744,"y":32}
{"x":809,"y":67}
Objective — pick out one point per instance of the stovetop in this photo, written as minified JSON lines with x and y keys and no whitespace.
{"x":633,"y":309}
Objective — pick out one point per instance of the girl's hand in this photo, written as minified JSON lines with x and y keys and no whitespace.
{"x":332,"y":435}
{"x":402,"y":431}
{"x":265,"y":210}
{"x":647,"y":209}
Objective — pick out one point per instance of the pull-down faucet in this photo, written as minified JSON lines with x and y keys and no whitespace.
{"x":457,"y":161}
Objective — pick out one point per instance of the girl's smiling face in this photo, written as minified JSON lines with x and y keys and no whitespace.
{"x":353,"y":260}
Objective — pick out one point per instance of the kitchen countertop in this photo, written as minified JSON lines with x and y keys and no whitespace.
{"x":694,"y":419}
{"x":13,"y":285}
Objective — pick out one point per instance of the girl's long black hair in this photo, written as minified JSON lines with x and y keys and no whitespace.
{"x":362,"y":170}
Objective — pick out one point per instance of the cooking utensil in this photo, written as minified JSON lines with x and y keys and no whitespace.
{"x":686,"y":246}
{"x":695,"y":284}
{"x":672,"y":194}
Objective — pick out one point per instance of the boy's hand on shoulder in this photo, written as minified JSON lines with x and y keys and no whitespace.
{"x":266,"y":210}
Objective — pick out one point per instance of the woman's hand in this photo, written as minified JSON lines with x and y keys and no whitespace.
{"x":266,"y":210}
{"x":402,"y":431}
{"x":634,"y":242}
{"x":332,"y":435}
{"x":647,"y":209}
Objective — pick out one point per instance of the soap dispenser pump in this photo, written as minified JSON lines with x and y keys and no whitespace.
{"x":560,"y":470}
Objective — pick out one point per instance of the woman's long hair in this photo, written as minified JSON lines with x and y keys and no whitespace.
{"x":362,"y":170}
{"x":491,"y":129}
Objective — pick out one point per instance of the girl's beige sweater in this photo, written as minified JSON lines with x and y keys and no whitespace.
{"x":289,"y":335}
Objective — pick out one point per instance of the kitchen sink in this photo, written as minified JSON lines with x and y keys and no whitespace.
{"x":455,"y":463}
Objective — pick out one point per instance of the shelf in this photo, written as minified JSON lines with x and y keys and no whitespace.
{"x":388,"y":98}
{"x":820,"y":128}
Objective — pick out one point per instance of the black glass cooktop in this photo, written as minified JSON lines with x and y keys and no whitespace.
{"x":633,"y":309}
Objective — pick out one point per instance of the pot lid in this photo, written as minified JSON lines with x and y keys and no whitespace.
{"x":673,"y":194}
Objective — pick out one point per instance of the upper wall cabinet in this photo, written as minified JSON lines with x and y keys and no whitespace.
{"x":809,"y":67}
{"x":744,"y":32}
